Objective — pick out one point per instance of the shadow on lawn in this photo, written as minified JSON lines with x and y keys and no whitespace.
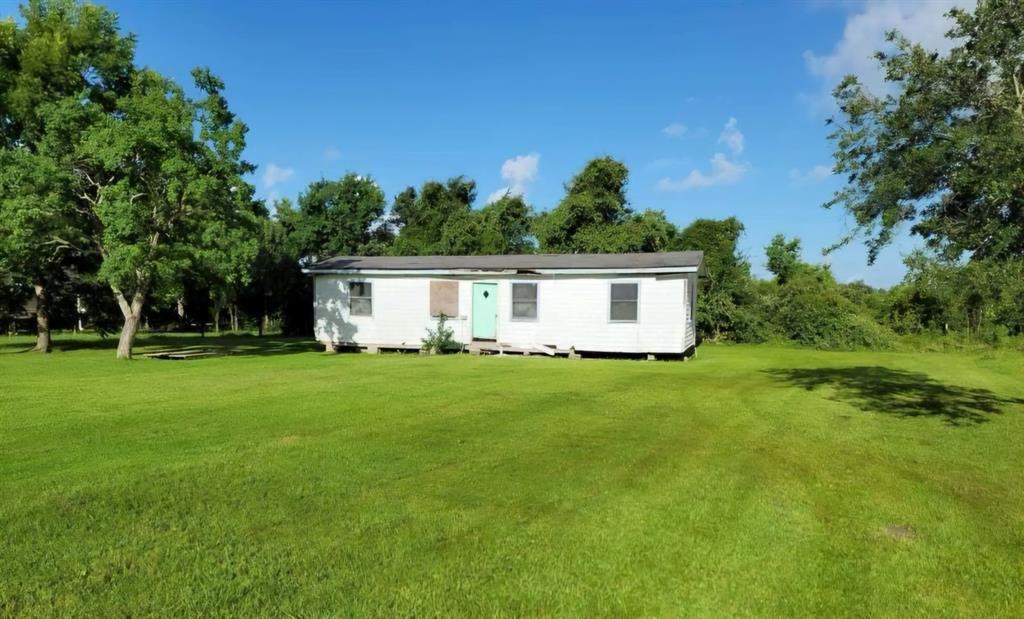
{"x":904,"y":394}
{"x":234,"y":345}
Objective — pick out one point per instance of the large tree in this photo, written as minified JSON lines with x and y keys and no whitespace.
{"x":66,"y":55}
{"x":504,"y":226}
{"x":157,"y":176}
{"x":725,"y":288}
{"x":594,"y":200}
{"x":437,"y":220}
{"x":594,"y":216}
{"x":943,"y":150}
{"x":340,"y":217}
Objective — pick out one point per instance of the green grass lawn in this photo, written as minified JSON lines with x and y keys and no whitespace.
{"x":281,"y":480}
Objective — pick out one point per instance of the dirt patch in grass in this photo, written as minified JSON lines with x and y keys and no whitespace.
{"x":901,"y":532}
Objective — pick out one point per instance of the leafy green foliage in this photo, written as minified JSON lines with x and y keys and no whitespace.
{"x":440,"y":220}
{"x":441,"y":339}
{"x":504,"y":226}
{"x":340,"y":218}
{"x":811,"y":310}
{"x":65,"y":57}
{"x":64,"y":49}
{"x":437,"y":220}
{"x":783,"y":257}
{"x":595,"y":199}
{"x":984,"y":298}
{"x":594,"y":216}
{"x":945,"y":150}
{"x":164,"y":197}
{"x":725,"y":290}
{"x":276,"y":277}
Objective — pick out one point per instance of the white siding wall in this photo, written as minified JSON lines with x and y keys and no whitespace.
{"x":690,"y":339}
{"x":572,"y":313}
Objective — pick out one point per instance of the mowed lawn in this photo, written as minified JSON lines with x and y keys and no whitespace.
{"x":285,"y":481}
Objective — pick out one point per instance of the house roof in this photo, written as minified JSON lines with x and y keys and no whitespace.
{"x":662,"y":262}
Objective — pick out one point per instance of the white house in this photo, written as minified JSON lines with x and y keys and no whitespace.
{"x":609,"y":303}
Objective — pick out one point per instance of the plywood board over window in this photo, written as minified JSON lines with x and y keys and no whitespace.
{"x":444,"y":298}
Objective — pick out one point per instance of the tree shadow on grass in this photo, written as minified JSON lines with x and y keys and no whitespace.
{"x":233,"y":345}
{"x":878,"y":389}
{"x":239,"y":345}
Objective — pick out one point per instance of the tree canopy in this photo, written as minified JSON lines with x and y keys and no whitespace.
{"x":439,"y":219}
{"x":162,"y":194}
{"x":595,"y":217}
{"x":340,"y":218}
{"x":944,"y":150}
{"x":66,"y":57}
{"x":783,"y":257}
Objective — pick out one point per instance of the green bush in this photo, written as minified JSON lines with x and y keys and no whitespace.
{"x":442,"y":339}
{"x":811,"y":310}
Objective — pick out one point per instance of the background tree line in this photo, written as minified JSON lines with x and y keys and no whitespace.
{"x":123,"y":192}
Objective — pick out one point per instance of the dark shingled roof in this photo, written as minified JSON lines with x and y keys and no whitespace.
{"x":525,"y":262}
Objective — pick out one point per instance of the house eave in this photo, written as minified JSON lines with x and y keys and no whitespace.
{"x":610,"y":271}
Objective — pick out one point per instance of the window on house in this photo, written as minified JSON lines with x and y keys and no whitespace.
{"x":524,"y":301}
{"x":360,"y":299}
{"x":444,"y":298}
{"x":625,"y":302}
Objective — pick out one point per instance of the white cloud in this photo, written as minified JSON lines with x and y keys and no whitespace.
{"x":275,"y":174}
{"x":732,"y":137}
{"x":817,"y":173}
{"x":724,"y":171}
{"x":864,"y":34}
{"x":675,"y":130}
{"x":496,"y":195}
{"x":518,"y":172}
{"x":331,"y":153}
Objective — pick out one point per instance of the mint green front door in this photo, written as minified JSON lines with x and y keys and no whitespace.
{"x":485,"y":311}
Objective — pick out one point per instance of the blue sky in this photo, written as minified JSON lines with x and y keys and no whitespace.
{"x":717,"y":108}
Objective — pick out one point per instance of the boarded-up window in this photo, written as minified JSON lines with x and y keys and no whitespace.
{"x":625,"y":301}
{"x":524,"y":301}
{"x":444,"y":298}
{"x":360,"y":299}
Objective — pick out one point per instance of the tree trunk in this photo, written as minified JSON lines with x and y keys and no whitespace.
{"x":42,"y":319}
{"x":216,"y":318}
{"x":132,"y":318}
{"x":128,"y":331}
{"x":263,"y":316}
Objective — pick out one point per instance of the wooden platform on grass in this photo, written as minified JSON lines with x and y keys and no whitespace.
{"x":182,"y":354}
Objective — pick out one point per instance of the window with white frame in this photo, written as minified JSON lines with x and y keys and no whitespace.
{"x":624,"y":302}
{"x":360,"y":299}
{"x":524,"y":301}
